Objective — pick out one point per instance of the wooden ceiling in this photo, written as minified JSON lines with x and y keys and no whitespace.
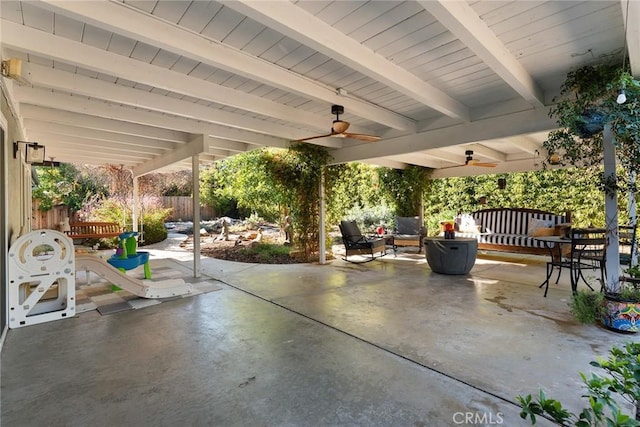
{"x":148,"y":84}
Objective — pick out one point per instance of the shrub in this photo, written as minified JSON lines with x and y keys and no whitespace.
{"x":586,"y":306}
{"x":154,"y":230}
{"x":602,"y":392}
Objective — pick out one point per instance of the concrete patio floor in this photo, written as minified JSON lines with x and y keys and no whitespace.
{"x":386,"y":343}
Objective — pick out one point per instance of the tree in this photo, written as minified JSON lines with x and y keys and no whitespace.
{"x":243,"y":180}
{"x":66,"y":185}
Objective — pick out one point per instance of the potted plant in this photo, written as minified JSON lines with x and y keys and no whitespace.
{"x":603,"y":392}
{"x":621,"y":308}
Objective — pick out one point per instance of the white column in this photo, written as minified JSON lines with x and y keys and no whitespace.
{"x":633,"y":216}
{"x":322,"y":257}
{"x":195,"y":171}
{"x":611,"y":213}
{"x":136,"y":204}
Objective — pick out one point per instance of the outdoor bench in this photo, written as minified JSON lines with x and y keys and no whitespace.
{"x":512,"y":229}
{"x":93,"y":230}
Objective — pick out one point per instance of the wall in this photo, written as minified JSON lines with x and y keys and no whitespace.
{"x":15,"y":189}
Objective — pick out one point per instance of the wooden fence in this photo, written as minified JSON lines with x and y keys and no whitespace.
{"x":182,"y":209}
{"x":49,"y":219}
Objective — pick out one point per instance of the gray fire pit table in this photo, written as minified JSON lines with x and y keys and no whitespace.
{"x":451,"y":256}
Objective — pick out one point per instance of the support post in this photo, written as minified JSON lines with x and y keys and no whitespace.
{"x":633,"y":216}
{"x":612,"y":261}
{"x":322,"y":257}
{"x":195,"y":171}
{"x":136,"y":204}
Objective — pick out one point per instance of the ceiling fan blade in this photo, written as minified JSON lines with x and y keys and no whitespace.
{"x":474,"y":162}
{"x":315,"y":137}
{"x":454,"y":166}
{"x":361,"y":137}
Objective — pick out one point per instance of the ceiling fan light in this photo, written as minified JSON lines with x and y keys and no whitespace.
{"x":622,"y":97}
{"x":340,"y":126}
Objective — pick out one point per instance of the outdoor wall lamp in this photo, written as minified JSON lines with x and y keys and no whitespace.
{"x":34,"y":153}
{"x":502,"y":183}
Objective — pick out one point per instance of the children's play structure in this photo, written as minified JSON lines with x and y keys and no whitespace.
{"x":42,"y":266}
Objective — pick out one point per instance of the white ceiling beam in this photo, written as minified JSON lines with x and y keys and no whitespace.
{"x":133,"y":23}
{"x":415,"y":159}
{"x":217,"y":153}
{"x":293,"y":21}
{"x":461,"y":20}
{"x":194,"y":147}
{"x":387,"y":163}
{"x":496,"y":127}
{"x":447,"y":156}
{"x":65,"y":130}
{"x":55,"y":145}
{"x":68,"y":82}
{"x":225,"y":144}
{"x":526,"y":144}
{"x":51,"y":115}
{"x":102,"y":61}
{"x":50,"y":100}
{"x":633,"y":34}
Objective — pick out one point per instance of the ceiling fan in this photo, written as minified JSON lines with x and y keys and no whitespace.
{"x":339,"y":129}
{"x":472,"y":162}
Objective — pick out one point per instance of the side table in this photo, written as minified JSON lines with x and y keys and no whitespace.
{"x":451,"y":256}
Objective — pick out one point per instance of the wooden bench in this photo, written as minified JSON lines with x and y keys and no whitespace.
{"x":93,"y":230}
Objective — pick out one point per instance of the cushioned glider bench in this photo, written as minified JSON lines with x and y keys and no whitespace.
{"x":514,"y":229}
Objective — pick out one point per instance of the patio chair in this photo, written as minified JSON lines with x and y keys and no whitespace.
{"x":357,"y":244}
{"x":588,"y":252}
{"x":409,"y":231}
{"x":627,"y":243}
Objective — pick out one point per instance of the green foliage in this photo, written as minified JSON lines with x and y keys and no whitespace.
{"x":587,"y":101}
{"x":405,"y":188}
{"x":587,"y":306}
{"x":351,"y":186}
{"x":273,"y":183}
{"x":622,"y":381}
{"x":242,"y":184}
{"x":110,"y":210}
{"x":368,"y":218}
{"x":268,"y":251}
{"x":65,"y":185}
{"x":297,"y":173}
{"x":572,"y":190}
{"x":153,"y":225}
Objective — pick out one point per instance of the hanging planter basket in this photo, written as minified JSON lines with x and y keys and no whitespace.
{"x":590,"y":123}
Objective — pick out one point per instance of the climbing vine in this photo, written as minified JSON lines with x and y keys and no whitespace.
{"x":298,"y":172}
{"x":405,"y":188}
